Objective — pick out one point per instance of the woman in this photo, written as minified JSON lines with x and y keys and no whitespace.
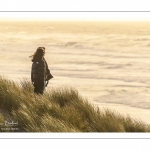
{"x":39,"y":71}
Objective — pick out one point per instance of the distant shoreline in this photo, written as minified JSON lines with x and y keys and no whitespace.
{"x":140,"y":114}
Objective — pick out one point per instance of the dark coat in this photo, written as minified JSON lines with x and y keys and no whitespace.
{"x":38,"y":71}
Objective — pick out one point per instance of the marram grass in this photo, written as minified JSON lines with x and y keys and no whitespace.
{"x":60,"y":109}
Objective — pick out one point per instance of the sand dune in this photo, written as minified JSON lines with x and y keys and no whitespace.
{"x":106,"y":62}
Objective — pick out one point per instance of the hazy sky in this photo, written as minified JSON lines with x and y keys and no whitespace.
{"x":75,"y":5}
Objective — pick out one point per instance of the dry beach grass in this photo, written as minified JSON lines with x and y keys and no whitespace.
{"x":60,"y":109}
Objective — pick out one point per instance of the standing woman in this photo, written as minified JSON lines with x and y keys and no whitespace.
{"x":39,"y":71}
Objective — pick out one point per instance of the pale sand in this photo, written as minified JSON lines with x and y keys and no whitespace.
{"x":136,"y":113}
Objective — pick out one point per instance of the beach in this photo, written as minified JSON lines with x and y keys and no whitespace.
{"x":107,"y":62}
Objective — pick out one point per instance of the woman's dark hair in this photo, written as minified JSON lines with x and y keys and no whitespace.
{"x":38,"y":55}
